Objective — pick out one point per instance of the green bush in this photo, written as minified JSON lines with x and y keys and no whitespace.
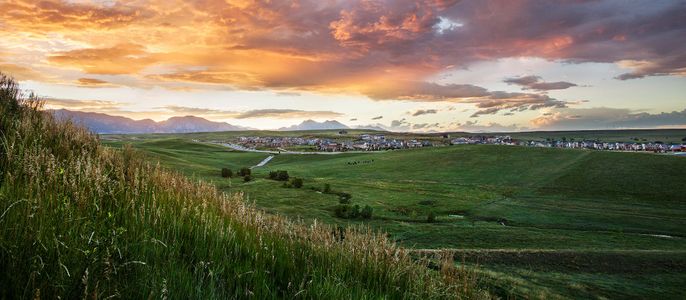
{"x":279,"y":175}
{"x":342,"y":211}
{"x":366,"y":212}
{"x":247,"y":178}
{"x":227,"y":173}
{"x":346,"y":211}
{"x":244,"y":171}
{"x":342,"y":200}
{"x":431,"y":218}
{"x":354,"y":212}
{"x":296,"y":182}
{"x":327,"y":188}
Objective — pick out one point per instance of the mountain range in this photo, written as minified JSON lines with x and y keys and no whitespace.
{"x":314,"y":125}
{"x":104,"y":123}
{"x":108,"y":124}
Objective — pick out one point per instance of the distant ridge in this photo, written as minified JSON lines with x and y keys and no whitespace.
{"x":104,"y":123}
{"x":314,"y":125}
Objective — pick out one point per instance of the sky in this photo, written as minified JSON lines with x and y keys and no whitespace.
{"x":421,"y":65}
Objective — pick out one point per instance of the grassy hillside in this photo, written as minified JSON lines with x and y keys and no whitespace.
{"x":563,"y":203}
{"x":79,"y":220}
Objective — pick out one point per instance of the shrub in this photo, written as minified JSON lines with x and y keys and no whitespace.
{"x":247,"y":178}
{"x":244,"y":171}
{"x":366,"y":212}
{"x":345,"y":196}
{"x":431,"y":218}
{"x":282,"y":175}
{"x":279,"y":175}
{"x":327,"y":188}
{"x":296,"y":182}
{"x":227,"y":173}
{"x":343,"y":200}
{"x":354,"y":212}
{"x":342,"y":211}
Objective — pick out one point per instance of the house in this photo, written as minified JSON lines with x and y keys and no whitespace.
{"x":459,"y":141}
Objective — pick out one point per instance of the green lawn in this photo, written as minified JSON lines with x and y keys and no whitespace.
{"x":484,"y":197}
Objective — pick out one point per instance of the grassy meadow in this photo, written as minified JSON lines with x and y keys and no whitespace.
{"x":79,"y":220}
{"x":573,"y":218}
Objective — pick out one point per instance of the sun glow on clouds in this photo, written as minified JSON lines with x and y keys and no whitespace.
{"x":245,"y":56}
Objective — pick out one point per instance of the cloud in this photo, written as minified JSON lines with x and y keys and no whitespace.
{"x":374,"y":24}
{"x":498,"y":101}
{"x":286,"y":114}
{"x":377,"y":118}
{"x":420,"y":112}
{"x":82,"y":105}
{"x":385,"y":50}
{"x":402,"y":125}
{"x":534,"y":83}
{"x":253,"y":114}
{"x":20,"y":72}
{"x":475,"y":126}
{"x":94,"y":83}
{"x":425,"y":91}
{"x":607,"y":118}
{"x":124,"y":58}
{"x":54,"y":14}
{"x":488,"y":102}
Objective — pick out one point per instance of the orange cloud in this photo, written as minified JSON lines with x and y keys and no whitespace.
{"x":381,"y":49}
{"x":92,"y":82}
{"x":120,"y":59}
{"x":20,"y":72}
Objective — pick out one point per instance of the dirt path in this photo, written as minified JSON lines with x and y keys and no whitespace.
{"x":263,"y":162}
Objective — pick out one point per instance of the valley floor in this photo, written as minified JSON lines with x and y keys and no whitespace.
{"x":549,"y":223}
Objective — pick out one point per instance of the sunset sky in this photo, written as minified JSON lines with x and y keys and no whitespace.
{"x":430,"y":65}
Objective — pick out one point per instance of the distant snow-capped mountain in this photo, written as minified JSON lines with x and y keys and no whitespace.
{"x":314,"y":125}
{"x":104,"y":123}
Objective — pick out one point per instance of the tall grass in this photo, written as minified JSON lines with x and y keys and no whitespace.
{"x":78,"y":220}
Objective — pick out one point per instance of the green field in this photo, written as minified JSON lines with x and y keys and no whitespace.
{"x":79,"y":220}
{"x":623,"y":208}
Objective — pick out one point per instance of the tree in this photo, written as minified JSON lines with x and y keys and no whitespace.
{"x":247,"y":178}
{"x":683,"y":140}
{"x":244,"y":171}
{"x":296,"y":182}
{"x":227,"y":173}
{"x":431,"y":218}
{"x":327,"y":188}
{"x":366,"y":212}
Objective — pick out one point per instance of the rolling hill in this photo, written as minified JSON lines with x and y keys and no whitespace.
{"x":80,"y":220}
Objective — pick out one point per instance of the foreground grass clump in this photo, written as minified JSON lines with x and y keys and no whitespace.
{"x":81,"y":220}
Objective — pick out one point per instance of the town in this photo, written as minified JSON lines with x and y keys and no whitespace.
{"x":378,"y":142}
{"x":365,"y":142}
